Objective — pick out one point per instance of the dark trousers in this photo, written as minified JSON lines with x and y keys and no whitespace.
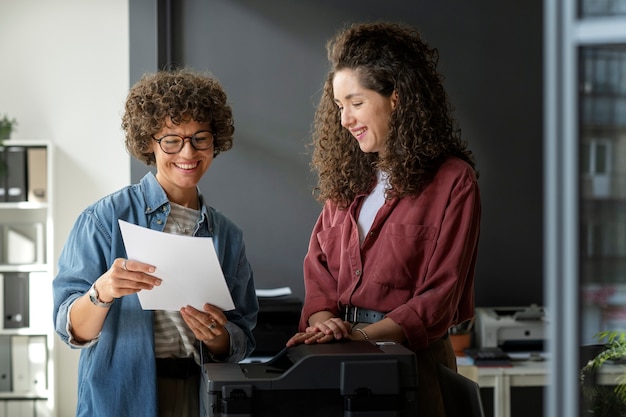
{"x":430,"y":401}
{"x":179,"y":397}
{"x":179,"y":387}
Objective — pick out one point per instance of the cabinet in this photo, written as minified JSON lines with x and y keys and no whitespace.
{"x":26,"y":272}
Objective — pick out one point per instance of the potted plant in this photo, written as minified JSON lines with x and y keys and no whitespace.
{"x":602,"y":400}
{"x":6,"y":127}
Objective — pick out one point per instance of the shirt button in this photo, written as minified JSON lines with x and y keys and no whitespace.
{"x":159,"y":221}
{"x":357,"y":272}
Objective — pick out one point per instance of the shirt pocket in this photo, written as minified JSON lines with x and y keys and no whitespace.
{"x":329,"y":241}
{"x":402,"y":255}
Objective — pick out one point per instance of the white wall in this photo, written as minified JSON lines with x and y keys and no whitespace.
{"x":64,"y":77}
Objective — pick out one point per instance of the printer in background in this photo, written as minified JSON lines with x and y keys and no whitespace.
{"x":513,"y":329}
{"x":277,"y":321}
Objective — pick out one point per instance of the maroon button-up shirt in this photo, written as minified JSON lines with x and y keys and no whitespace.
{"x":416,"y":263}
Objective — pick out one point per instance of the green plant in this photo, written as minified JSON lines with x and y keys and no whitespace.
{"x":6,"y":127}
{"x":605,"y":400}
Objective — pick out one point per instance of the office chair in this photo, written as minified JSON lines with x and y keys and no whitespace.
{"x":461,"y":395}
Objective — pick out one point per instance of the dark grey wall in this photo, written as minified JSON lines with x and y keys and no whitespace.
{"x":270,"y":56}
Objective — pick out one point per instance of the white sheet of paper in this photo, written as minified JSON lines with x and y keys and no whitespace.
{"x":188,"y":266}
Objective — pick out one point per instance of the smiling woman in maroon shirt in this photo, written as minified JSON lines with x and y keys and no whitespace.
{"x":393,"y":253}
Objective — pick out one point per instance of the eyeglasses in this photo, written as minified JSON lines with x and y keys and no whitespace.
{"x":201,"y":141}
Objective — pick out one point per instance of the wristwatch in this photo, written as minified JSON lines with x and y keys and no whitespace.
{"x":95,"y":298}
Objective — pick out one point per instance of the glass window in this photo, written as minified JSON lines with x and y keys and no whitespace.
{"x":585,"y":194}
{"x":602,"y":168}
{"x":603,"y":187}
{"x":590,"y":8}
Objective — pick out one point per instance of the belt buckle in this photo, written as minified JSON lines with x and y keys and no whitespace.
{"x":347,"y":316}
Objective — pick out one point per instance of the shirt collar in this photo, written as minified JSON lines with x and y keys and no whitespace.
{"x":155,"y":196}
{"x":153,"y":193}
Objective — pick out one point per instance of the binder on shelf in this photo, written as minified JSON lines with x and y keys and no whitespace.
{"x":5,"y":363}
{"x":20,"y":408}
{"x":23,"y":360}
{"x":15,"y":171}
{"x":19,"y":364}
{"x":37,"y":190}
{"x":39,"y":302}
{"x":37,"y":363}
{"x":28,"y":364}
{"x":16,"y":295}
{"x":24,"y":243}
{"x":20,"y":249}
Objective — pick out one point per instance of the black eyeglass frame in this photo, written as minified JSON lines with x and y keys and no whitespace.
{"x":192,"y":140}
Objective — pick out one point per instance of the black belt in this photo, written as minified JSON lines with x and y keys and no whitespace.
{"x":361,"y":315}
{"x":178,"y":368}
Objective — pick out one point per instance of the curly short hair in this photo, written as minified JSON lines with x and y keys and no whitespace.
{"x":179,"y":95}
{"x":386,"y":57}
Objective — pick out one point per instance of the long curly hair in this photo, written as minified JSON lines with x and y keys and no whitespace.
{"x":386,"y":57}
{"x":180,"y":95}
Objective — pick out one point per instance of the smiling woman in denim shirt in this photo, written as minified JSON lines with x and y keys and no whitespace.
{"x":393,"y":253}
{"x":136,"y":362}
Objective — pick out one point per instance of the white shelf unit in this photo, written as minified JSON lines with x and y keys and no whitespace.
{"x":26,"y":272}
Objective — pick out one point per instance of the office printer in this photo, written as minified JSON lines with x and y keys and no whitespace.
{"x":276,"y":322}
{"x":336,"y":379}
{"x":511,"y":328}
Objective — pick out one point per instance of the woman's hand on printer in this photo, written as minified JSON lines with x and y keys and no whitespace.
{"x":327,"y":328}
{"x":324,"y":328}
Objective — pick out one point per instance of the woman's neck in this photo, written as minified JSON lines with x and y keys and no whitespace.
{"x":185,"y":199}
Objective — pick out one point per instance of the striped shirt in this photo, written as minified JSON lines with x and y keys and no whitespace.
{"x":172,"y":336}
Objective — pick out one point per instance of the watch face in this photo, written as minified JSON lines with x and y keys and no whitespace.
{"x":93,"y":295}
{"x":95,"y":299}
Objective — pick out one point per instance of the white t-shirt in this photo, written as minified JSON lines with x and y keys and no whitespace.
{"x":373,"y":202}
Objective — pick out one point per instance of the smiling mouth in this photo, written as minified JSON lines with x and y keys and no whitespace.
{"x":186,"y":166}
{"x":359,"y":132}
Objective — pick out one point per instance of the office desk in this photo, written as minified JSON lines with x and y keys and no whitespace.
{"x":522,"y":374}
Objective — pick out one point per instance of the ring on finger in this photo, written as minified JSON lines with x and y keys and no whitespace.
{"x":212,"y":325}
{"x":124,"y":265}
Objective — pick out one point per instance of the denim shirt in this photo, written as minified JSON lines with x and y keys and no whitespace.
{"x":117,"y":373}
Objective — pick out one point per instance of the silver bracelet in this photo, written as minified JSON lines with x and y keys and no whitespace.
{"x":363,"y":333}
